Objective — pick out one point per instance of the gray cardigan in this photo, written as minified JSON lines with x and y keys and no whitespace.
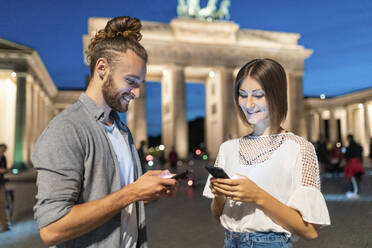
{"x":76,"y":164}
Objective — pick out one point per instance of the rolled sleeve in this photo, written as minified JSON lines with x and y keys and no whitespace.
{"x":58,"y":157}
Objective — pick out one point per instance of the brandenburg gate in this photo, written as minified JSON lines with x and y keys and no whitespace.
{"x":195,"y":51}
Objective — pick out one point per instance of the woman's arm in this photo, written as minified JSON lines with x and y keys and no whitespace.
{"x":245,"y":190}
{"x":217,"y":206}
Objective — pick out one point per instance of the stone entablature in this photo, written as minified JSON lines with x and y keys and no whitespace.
{"x":219,"y":43}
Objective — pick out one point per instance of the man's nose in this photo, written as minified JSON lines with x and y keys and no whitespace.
{"x":136,"y":92}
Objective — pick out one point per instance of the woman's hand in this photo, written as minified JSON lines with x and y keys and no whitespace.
{"x":242,"y":189}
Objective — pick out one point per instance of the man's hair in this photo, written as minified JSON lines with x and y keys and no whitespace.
{"x":120,"y":34}
{"x":3,"y":146}
{"x":272,"y":78}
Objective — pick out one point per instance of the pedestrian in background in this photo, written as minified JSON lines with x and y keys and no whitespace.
{"x":3,"y":170}
{"x":354,"y":167}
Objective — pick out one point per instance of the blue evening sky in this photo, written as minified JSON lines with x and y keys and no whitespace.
{"x":339,"y":32}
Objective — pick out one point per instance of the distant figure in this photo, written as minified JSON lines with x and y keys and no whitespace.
{"x":173,"y":157}
{"x":370,"y":149}
{"x":335,"y":158}
{"x":322,"y":153}
{"x":354,"y":168}
{"x":3,"y":170}
{"x":142,"y":156}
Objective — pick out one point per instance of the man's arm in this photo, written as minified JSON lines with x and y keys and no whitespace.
{"x":85,"y":217}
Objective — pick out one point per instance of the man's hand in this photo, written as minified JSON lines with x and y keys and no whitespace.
{"x":151,"y":186}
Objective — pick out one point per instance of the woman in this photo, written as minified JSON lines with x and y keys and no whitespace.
{"x":274,"y":190}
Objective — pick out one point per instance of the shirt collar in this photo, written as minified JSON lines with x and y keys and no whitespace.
{"x":96,"y":111}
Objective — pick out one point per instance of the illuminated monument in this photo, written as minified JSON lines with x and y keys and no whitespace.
{"x":191,"y":50}
{"x":26,"y":99}
{"x":185,"y":50}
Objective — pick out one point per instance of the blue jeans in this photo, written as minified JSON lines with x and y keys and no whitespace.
{"x":256,"y":240}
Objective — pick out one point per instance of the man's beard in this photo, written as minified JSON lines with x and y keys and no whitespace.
{"x":113,"y":96}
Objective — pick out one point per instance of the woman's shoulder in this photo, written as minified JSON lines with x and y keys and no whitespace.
{"x":300,"y":141}
{"x":229,"y":143}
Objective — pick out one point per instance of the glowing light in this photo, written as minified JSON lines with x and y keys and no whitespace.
{"x":149,"y":157}
{"x":150,"y":163}
{"x":165,"y":72}
{"x":205,"y":157}
{"x":190,"y":182}
{"x":157,"y":149}
{"x":212,"y":74}
{"x":197,"y":152}
{"x":360,"y":105}
{"x":15,"y":171}
{"x":161,"y":147}
{"x":322,"y":96}
{"x":151,"y":149}
{"x":338,"y":144}
{"x":13,"y":74}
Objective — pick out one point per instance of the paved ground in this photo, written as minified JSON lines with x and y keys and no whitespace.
{"x":185,"y":221}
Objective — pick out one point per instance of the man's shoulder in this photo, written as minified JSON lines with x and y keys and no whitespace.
{"x":74,"y":114}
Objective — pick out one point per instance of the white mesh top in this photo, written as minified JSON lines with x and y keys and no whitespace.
{"x":285,"y":166}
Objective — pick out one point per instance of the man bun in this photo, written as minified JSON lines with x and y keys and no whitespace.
{"x":125,"y":26}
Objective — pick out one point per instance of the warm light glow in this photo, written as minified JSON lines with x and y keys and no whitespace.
{"x":360,"y":105}
{"x":14,"y":74}
{"x":150,"y":163}
{"x":165,"y":72}
{"x":212,"y":74}
{"x":190,"y":182}
{"x":161,"y":147}
{"x":197,"y":152}
{"x":338,"y":144}
{"x":149,"y":157}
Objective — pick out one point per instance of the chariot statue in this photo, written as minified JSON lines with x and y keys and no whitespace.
{"x":191,"y":9}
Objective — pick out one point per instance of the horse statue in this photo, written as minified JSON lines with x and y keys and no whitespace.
{"x":191,"y":9}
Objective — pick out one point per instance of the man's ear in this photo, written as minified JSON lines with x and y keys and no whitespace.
{"x":102,"y":69}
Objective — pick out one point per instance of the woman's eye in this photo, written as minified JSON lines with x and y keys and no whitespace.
{"x":259,"y":95}
{"x":243,"y":94}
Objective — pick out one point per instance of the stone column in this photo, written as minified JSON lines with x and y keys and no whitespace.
{"x":174,"y":124}
{"x":136,"y":117}
{"x":18,"y":161}
{"x":332,"y":127}
{"x":35,"y":113}
{"x":295,"y":121}
{"x":220,"y":115}
{"x":367,"y":129}
{"x":28,"y":122}
{"x":321,"y":125}
{"x":349,"y":118}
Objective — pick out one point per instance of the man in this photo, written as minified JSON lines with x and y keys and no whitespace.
{"x":90,"y":188}
{"x":3,"y":170}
